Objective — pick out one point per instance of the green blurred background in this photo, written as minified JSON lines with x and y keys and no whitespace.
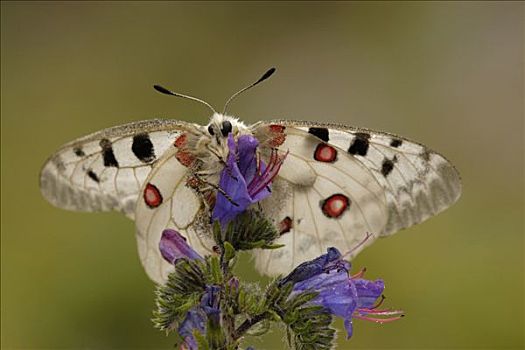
{"x":447,"y":74}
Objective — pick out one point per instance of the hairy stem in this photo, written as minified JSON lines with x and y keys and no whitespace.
{"x":246,"y":325}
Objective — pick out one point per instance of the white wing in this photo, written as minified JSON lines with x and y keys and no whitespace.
{"x":167,"y":202}
{"x":390,"y":183}
{"x":105,"y":170}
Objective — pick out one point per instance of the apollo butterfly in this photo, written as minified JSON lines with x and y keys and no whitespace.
{"x":337,"y":183}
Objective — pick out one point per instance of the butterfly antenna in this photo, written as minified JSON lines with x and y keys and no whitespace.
{"x":265,"y":76}
{"x":165,"y":91}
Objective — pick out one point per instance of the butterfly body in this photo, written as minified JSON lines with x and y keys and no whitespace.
{"x":337,"y":183}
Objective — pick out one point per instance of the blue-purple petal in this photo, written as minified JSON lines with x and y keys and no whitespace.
{"x":195,"y":320}
{"x":173,"y":246}
{"x":368,"y":291}
{"x":349,"y":328}
{"x":210,"y":300}
{"x":247,"y":148}
{"x":197,"y":316}
{"x":234,"y":185}
{"x":316,"y":267}
{"x":240,"y":169}
{"x":335,"y":292}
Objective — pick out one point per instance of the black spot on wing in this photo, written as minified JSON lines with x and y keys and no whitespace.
{"x":396,"y":143}
{"x":79,"y":152}
{"x":360,"y":144}
{"x":321,"y":133}
{"x":107,"y":153}
{"x":143,"y":148}
{"x":388,"y":166}
{"x":93,"y":176}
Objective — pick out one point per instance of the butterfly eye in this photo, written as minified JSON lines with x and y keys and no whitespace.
{"x":226,"y":128}
{"x":210,"y":130}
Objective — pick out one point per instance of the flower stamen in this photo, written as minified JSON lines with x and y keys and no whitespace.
{"x":384,"y":312}
{"x":259,"y":182}
{"x":361,"y":274}
{"x":378,"y":320}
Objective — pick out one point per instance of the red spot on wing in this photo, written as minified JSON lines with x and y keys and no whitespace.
{"x":185,"y":157}
{"x":277,"y":135}
{"x":152,"y":196}
{"x":335,"y":205}
{"x":277,"y":128}
{"x":325,"y":153}
{"x":181,"y":140}
{"x":285,"y":225}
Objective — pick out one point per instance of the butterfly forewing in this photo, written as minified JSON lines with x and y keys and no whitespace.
{"x":105,"y":170}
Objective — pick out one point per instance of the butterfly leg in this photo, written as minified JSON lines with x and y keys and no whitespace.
{"x":221,"y":160}
{"x":216,"y":153}
{"x":202,"y":185}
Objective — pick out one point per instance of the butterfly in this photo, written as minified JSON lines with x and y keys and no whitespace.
{"x":337,"y":183}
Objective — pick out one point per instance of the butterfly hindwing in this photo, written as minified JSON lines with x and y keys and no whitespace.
{"x":166,"y":201}
{"x":105,"y":170}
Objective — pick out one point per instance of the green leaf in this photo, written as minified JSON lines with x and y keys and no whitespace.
{"x":250,"y":230}
{"x":273,"y":246}
{"x":229,"y":251}
{"x":214,"y":270}
{"x":214,"y":333}
{"x":217,"y":232}
{"x":260,"y":328}
{"x":301,"y":299}
{"x":308,"y":326}
{"x":275,"y":316}
{"x":202,"y":343}
{"x":182,"y":291}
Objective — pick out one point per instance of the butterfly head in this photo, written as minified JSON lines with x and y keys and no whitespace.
{"x":220,"y":126}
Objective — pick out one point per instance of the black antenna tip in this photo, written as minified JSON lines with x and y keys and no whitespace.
{"x":266,"y":75}
{"x":162,"y":90}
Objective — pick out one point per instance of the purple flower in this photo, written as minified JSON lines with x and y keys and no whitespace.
{"x":233,"y":284}
{"x":343,"y":296}
{"x":196,"y":318}
{"x":173,"y":246}
{"x":210,"y":302}
{"x":244,"y":180}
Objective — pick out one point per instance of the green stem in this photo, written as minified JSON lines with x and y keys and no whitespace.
{"x":246,"y":325}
